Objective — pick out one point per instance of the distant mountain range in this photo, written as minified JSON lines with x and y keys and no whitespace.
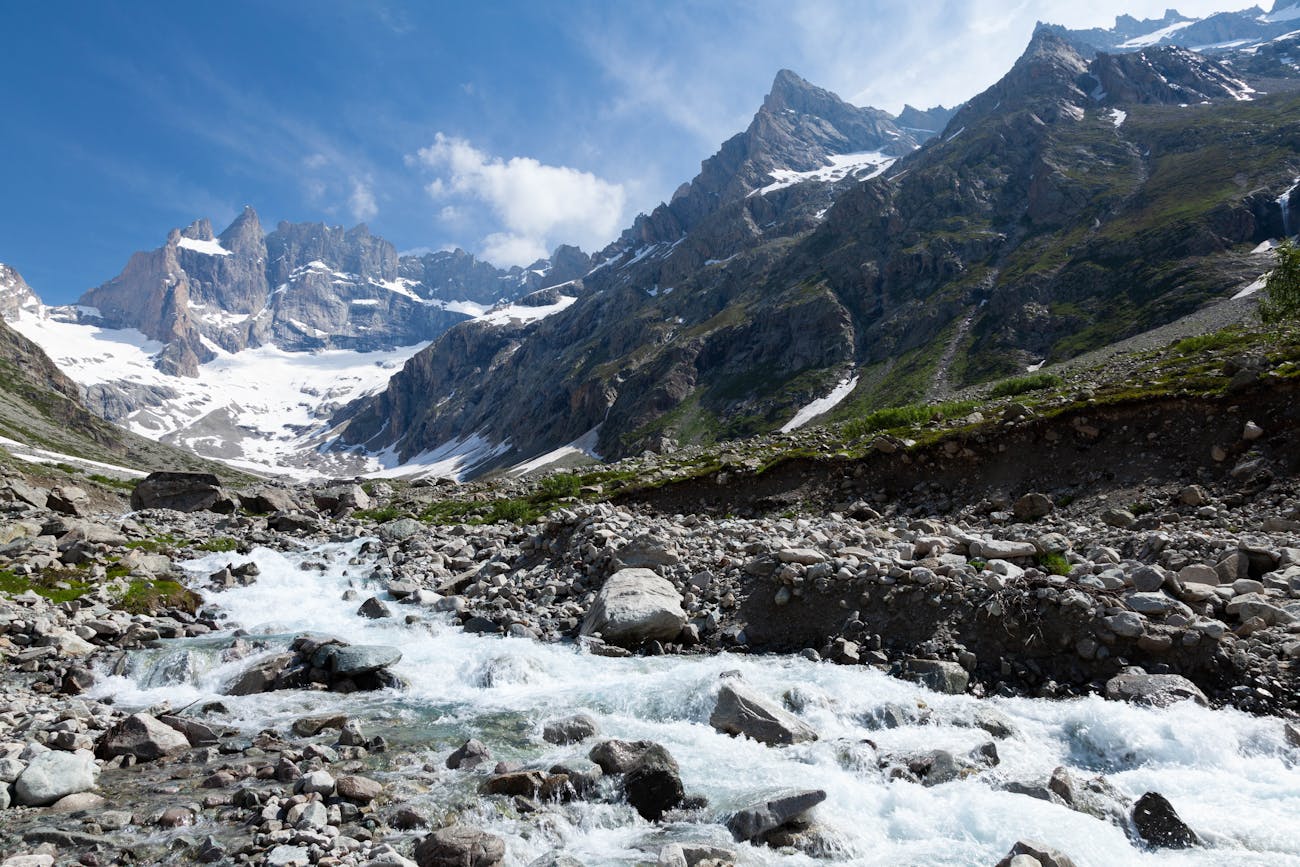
{"x":828,"y":259}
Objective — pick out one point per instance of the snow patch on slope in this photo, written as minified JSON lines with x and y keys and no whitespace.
{"x":862,"y":166}
{"x":262,"y":409}
{"x":821,"y":405}
{"x":583,"y":445}
{"x":207,"y":248}
{"x":454,"y":459}
{"x":1156,"y":36}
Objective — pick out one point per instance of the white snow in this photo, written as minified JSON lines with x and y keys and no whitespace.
{"x":821,"y":405}
{"x":1265,"y":247}
{"x":954,"y":135}
{"x":208,"y":248}
{"x":1035,"y":367}
{"x":862,"y":166}
{"x":268,"y":407}
{"x":583,"y":445}
{"x":1290,"y":13}
{"x":1156,"y":35}
{"x":1118,"y":117}
{"x":365,"y":302}
{"x":517,"y":314}
{"x":453,"y":459}
{"x":33,"y":455}
{"x":1251,"y":289}
{"x":472,"y":309}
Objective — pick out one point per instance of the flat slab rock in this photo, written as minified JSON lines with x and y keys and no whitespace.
{"x":1157,"y":690}
{"x":743,"y":711}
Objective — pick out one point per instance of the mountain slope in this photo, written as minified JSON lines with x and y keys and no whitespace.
{"x":1051,"y":217}
{"x":239,"y":346}
{"x":40,"y":407}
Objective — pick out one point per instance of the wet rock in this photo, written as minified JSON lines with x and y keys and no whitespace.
{"x":352,"y":660}
{"x":144,"y":738}
{"x":752,"y":823}
{"x":555,"y":859}
{"x":570,"y":729}
{"x":618,"y":757}
{"x":312,"y":725}
{"x":317,"y":783}
{"x":261,"y":676}
{"x":654,"y":783}
{"x":1158,"y":823}
{"x":181,"y":492}
{"x":374,"y":608}
{"x":938,"y":675}
{"x":633,"y":607}
{"x":460,"y":846}
{"x":53,"y":775}
{"x":288,"y":856}
{"x":1157,"y":690}
{"x":742,"y":711}
{"x":524,"y":784}
{"x":78,"y":802}
{"x":469,"y":755}
{"x":1036,"y":853}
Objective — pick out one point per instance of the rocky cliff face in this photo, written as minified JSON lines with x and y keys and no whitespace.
{"x":302,"y":287}
{"x":1237,"y":33}
{"x":1053,"y":214}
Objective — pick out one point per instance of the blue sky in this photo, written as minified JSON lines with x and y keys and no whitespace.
{"x":505,"y":128}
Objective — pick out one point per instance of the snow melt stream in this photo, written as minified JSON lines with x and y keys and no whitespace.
{"x":1230,"y":776}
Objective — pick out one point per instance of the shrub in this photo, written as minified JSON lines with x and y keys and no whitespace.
{"x":1022,"y":384}
{"x":1281,"y":299}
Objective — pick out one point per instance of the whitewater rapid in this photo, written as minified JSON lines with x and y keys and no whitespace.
{"x":1231,"y":776}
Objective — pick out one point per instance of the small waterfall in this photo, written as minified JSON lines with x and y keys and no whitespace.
{"x":1284,"y":203}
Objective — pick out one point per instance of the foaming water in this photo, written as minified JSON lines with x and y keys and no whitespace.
{"x":1230,"y":776}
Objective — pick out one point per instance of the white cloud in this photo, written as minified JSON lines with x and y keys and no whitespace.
{"x":362,"y":201}
{"x":535,"y":206}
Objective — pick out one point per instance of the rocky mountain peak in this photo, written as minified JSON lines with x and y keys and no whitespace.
{"x":15,"y":294}
{"x":244,"y":234}
{"x":199,"y":230}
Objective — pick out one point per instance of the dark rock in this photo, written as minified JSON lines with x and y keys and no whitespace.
{"x":374,"y":608}
{"x":752,"y":823}
{"x":1046,"y":856}
{"x":261,"y":676}
{"x":470,"y":755}
{"x":144,"y":738}
{"x":1158,"y":823}
{"x":570,"y":729}
{"x":618,"y":757}
{"x":182,"y":492}
{"x":653,"y":783}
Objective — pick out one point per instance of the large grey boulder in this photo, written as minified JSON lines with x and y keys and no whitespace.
{"x":460,"y":846}
{"x":1158,"y":690}
{"x":654,"y":783}
{"x":635,"y":606}
{"x":182,"y":492}
{"x":753,"y":822}
{"x":939,"y":675}
{"x":144,"y":737}
{"x":743,"y":711}
{"x":352,"y":660}
{"x":53,"y":775}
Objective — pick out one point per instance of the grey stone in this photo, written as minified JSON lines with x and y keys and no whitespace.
{"x":742,"y":711}
{"x":1158,"y":690}
{"x":753,"y":822}
{"x":52,"y":775}
{"x":570,"y":729}
{"x":460,"y":846}
{"x":143,"y":737}
{"x":633,"y":607}
{"x":653,"y":784}
{"x":938,"y":675}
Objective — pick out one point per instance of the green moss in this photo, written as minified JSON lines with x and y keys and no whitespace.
{"x":110,"y":482}
{"x":144,"y":596}
{"x":1054,"y":563}
{"x":56,"y":585}
{"x":158,"y":543}
{"x":220,"y":545}
{"x":379,"y":516}
{"x":893,"y":418}
{"x":1024,"y":384}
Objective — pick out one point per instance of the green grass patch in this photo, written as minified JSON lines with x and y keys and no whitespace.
{"x":220,"y":545}
{"x":560,"y":485}
{"x":1024,"y":384}
{"x":110,"y":482}
{"x":1054,"y":563}
{"x":144,"y":596}
{"x":1233,"y":337}
{"x":53,"y":584}
{"x":153,"y":545}
{"x":910,"y":415}
{"x":379,"y":516}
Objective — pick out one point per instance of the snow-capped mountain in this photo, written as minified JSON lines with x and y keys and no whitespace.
{"x":240,"y":346}
{"x":1243,"y":31}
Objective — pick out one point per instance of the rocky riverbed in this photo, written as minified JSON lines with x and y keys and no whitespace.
{"x":298,"y":675}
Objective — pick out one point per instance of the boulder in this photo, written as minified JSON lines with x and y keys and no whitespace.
{"x":144,"y":738}
{"x":752,"y":823}
{"x":260,"y":676}
{"x":374,"y":608}
{"x":635,"y":606}
{"x":654,"y":783}
{"x":1158,"y":823}
{"x":360,"y":790}
{"x":618,"y":757}
{"x":743,"y":711}
{"x":182,"y":492}
{"x":1043,"y":855}
{"x":54,"y":775}
{"x":268,"y":499}
{"x":570,"y":729}
{"x":938,"y":675}
{"x":1032,"y":507}
{"x":352,"y":660}
{"x":1157,"y":690}
{"x":460,"y":846}
{"x":69,"y":500}
{"x":470,"y":755}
